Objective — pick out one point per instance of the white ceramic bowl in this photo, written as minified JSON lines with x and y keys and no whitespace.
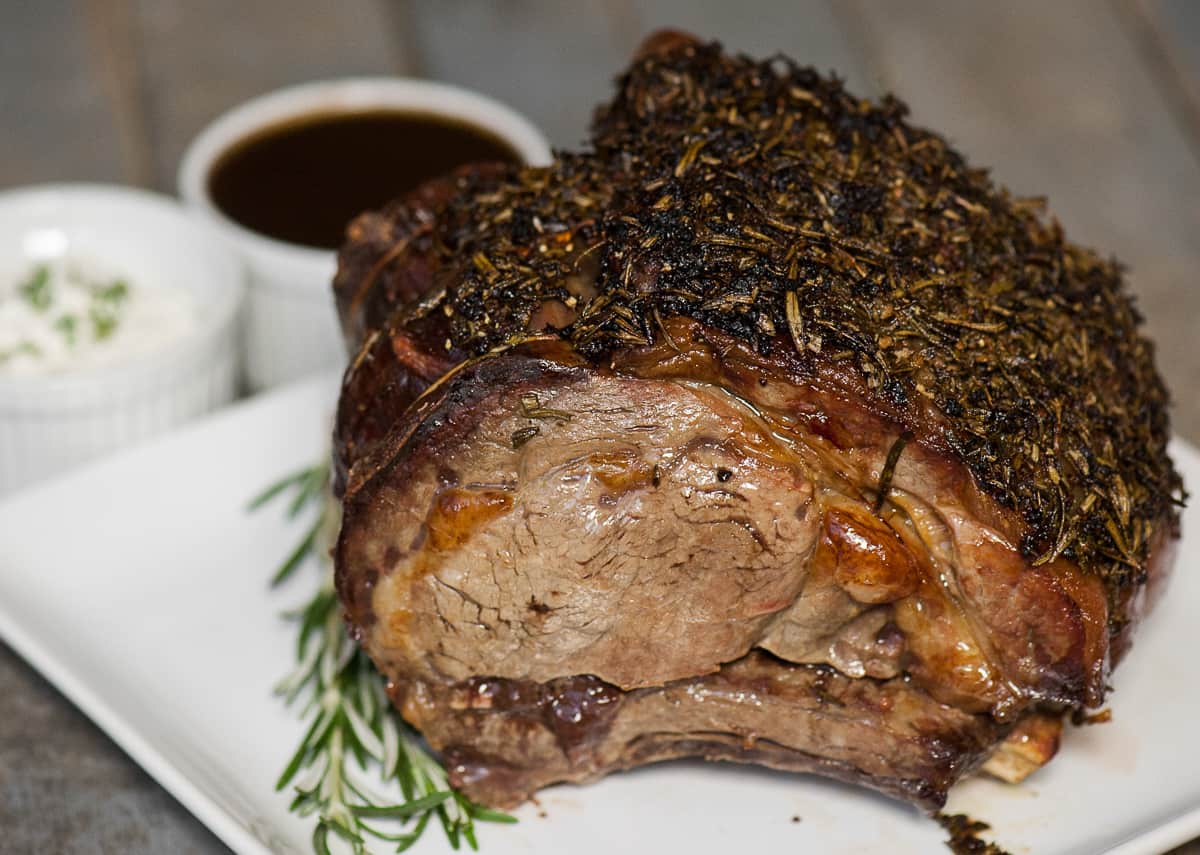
{"x":49,"y":423}
{"x":291,"y":327}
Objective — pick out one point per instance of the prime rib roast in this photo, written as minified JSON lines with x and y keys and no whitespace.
{"x":763,"y":429}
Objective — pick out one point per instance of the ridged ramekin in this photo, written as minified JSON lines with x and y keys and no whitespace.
{"x":291,"y":329}
{"x":51,"y":423}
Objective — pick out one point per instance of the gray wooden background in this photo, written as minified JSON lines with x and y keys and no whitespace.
{"x":1094,"y":103}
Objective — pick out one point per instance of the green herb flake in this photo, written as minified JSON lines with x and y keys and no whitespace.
{"x":104,"y":321}
{"x":36,"y":289}
{"x":105,"y":311}
{"x":67,"y":326}
{"x":117,"y":292}
{"x":25,"y":348}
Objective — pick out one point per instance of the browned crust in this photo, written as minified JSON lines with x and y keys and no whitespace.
{"x":933,"y":745}
{"x":893,"y":261}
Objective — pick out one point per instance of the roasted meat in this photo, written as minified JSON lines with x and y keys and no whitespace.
{"x":765,"y":429}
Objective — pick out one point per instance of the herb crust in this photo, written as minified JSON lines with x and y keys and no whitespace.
{"x":763,"y":199}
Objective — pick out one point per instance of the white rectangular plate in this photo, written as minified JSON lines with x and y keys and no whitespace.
{"x":139,"y":587}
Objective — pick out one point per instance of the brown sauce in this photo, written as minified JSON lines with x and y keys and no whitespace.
{"x":304,"y":180}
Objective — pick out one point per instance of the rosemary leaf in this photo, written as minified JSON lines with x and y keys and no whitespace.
{"x":311,"y":618}
{"x":297,"y":760}
{"x":489,"y":815}
{"x":421,"y":805}
{"x":320,"y":839}
{"x":468,"y":833}
{"x":345,"y":832}
{"x":405,"y":842}
{"x":277,"y":488}
{"x":301,"y":552}
{"x":312,"y":486}
{"x":368,"y":739}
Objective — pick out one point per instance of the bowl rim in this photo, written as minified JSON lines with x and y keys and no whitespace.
{"x":99,"y":387}
{"x":337,"y":95}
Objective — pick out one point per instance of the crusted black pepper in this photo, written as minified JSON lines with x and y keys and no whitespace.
{"x":764,"y":200}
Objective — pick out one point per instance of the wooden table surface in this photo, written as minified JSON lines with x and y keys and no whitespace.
{"x":1093,"y":104}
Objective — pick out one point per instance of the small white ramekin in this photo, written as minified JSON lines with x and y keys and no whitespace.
{"x":52,"y":422}
{"x":291,"y":327}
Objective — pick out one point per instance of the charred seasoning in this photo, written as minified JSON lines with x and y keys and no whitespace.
{"x":765,"y":200}
{"x":964,"y":835}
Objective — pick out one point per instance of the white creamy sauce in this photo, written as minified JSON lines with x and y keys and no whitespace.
{"x":68,"y":315}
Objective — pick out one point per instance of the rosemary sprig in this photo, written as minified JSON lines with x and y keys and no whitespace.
{"x":355,"y":740}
